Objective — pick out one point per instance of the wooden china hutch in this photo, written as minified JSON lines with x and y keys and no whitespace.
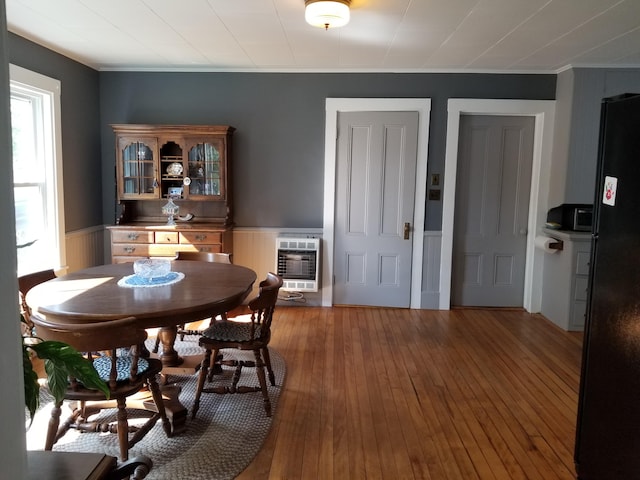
{"x":160,"y":167}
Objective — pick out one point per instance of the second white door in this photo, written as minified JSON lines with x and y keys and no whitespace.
{"x":492,"y":210}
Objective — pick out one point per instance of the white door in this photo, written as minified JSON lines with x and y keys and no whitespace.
{"x":492,"y":210}
{"x":375,"y":190}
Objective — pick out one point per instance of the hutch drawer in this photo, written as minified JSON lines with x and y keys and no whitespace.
{"x":129,"y":243}
{"x":200,"y":237}
{"x":129,"y":249}
{"x":166,"y":237}
{"x":200,"y":247}
{"x":131,"y":236}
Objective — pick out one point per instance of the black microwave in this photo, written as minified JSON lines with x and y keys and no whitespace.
{"x":571,"y":216}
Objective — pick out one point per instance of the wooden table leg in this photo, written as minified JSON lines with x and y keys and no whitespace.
{"x":169,"y":356}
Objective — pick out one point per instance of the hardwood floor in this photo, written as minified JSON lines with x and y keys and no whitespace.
{"x":421,"y":394}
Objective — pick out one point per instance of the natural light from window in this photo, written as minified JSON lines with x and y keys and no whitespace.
{"x":37,"y":171}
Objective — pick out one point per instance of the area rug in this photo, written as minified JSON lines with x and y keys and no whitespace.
{"x":227,"y":433}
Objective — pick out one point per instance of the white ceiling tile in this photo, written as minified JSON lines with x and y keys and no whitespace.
{"x":271,"y":54}
{"x":383,"y":35}
{"x":622,"y":49}
{"x":235,"y":7}
{"x":591,"y":34}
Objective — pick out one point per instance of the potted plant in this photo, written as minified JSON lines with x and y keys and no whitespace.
{"x":60,"y":362}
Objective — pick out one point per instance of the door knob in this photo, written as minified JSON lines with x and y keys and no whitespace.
{"x":407,"y":229}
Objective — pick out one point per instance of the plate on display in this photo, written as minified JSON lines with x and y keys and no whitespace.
{"x":174,"y":168}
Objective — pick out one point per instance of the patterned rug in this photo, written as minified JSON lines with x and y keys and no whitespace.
{"x":227,"y":433}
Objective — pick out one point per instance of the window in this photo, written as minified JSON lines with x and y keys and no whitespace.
{"x":37,"y":171}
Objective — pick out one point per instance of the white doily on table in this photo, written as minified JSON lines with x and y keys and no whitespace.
{"x":136,"y":281}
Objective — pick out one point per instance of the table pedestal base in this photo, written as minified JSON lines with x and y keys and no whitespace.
{"x":176,"y":412}
{"x":143,"y":400}
{"x":189,"y":365}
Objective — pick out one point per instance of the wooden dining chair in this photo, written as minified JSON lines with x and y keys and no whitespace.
{"x":253,"y":335}
{"x":213,"y":257}
{"x":26,"y":283}
{"x":205,"y":256}
{"x":118,"y":363}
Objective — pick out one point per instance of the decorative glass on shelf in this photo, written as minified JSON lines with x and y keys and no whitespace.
{"x":170,"y":209}
{"x":138,"y":169}
{"x":205,"y":170}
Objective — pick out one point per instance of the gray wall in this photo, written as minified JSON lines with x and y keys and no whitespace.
{"x":579,"y":97}
{"x":280,"y":118}
{"x":279,"y":142}
{"x":80,"y":96}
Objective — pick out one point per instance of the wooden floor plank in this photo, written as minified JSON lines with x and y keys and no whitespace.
{"x":417,"y":432}
{"x":516,"y":381}
{"x":394,"y":451}
{"x":421,"y":394}
{"x":325,"y":455}
{"x":311,"y":410}
{"x":337,"y":391}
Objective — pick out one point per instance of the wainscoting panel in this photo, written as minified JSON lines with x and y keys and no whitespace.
{"x":256,"y":248}
{"x":253,"y":247}
{"x":85,"y":248}
{"x":431,"y":270}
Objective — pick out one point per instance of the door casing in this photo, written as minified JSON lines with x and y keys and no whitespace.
{"x":332,"y":107}
{"x":544,"y":113}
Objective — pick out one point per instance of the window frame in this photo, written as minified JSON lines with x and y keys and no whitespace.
{"x":27,"y":82}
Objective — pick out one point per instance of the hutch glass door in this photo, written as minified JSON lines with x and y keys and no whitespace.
{"x":205,"y":170}
{"x":138,"y":168}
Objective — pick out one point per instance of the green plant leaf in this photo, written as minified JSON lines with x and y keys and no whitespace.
{"x":57,"y":379}
{"x":62,"y":361}
{"x":31,"y":385}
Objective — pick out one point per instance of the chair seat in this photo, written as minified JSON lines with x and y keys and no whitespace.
{"x":102,"y":365}
{"x":227,"y":331}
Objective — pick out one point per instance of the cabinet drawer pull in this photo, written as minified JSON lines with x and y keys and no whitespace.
{"x":204,"y":249}
{"x":133,"y":236}
{"x":201,"y":237}
{"x":129,"y":249}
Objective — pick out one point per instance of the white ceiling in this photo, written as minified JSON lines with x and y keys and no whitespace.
{"x":383,"y":35}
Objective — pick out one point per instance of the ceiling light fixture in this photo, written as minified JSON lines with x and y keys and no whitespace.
{"x":327,"y":13}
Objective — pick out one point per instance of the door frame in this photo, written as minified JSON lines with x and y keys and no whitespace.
{"x":333,"y":106}
{"x":544,"y":113}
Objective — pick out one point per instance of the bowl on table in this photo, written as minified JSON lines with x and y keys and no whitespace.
{"x":152,"y":268}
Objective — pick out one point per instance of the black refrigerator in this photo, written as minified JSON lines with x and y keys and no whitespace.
{"x":608,"y":425}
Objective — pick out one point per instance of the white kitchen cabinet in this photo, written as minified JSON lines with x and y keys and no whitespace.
{"x":565,"y":280}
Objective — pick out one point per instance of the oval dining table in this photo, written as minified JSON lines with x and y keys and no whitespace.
{"x":94,"y":295}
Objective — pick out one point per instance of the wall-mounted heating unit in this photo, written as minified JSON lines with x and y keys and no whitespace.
{"x":298,"y":263}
